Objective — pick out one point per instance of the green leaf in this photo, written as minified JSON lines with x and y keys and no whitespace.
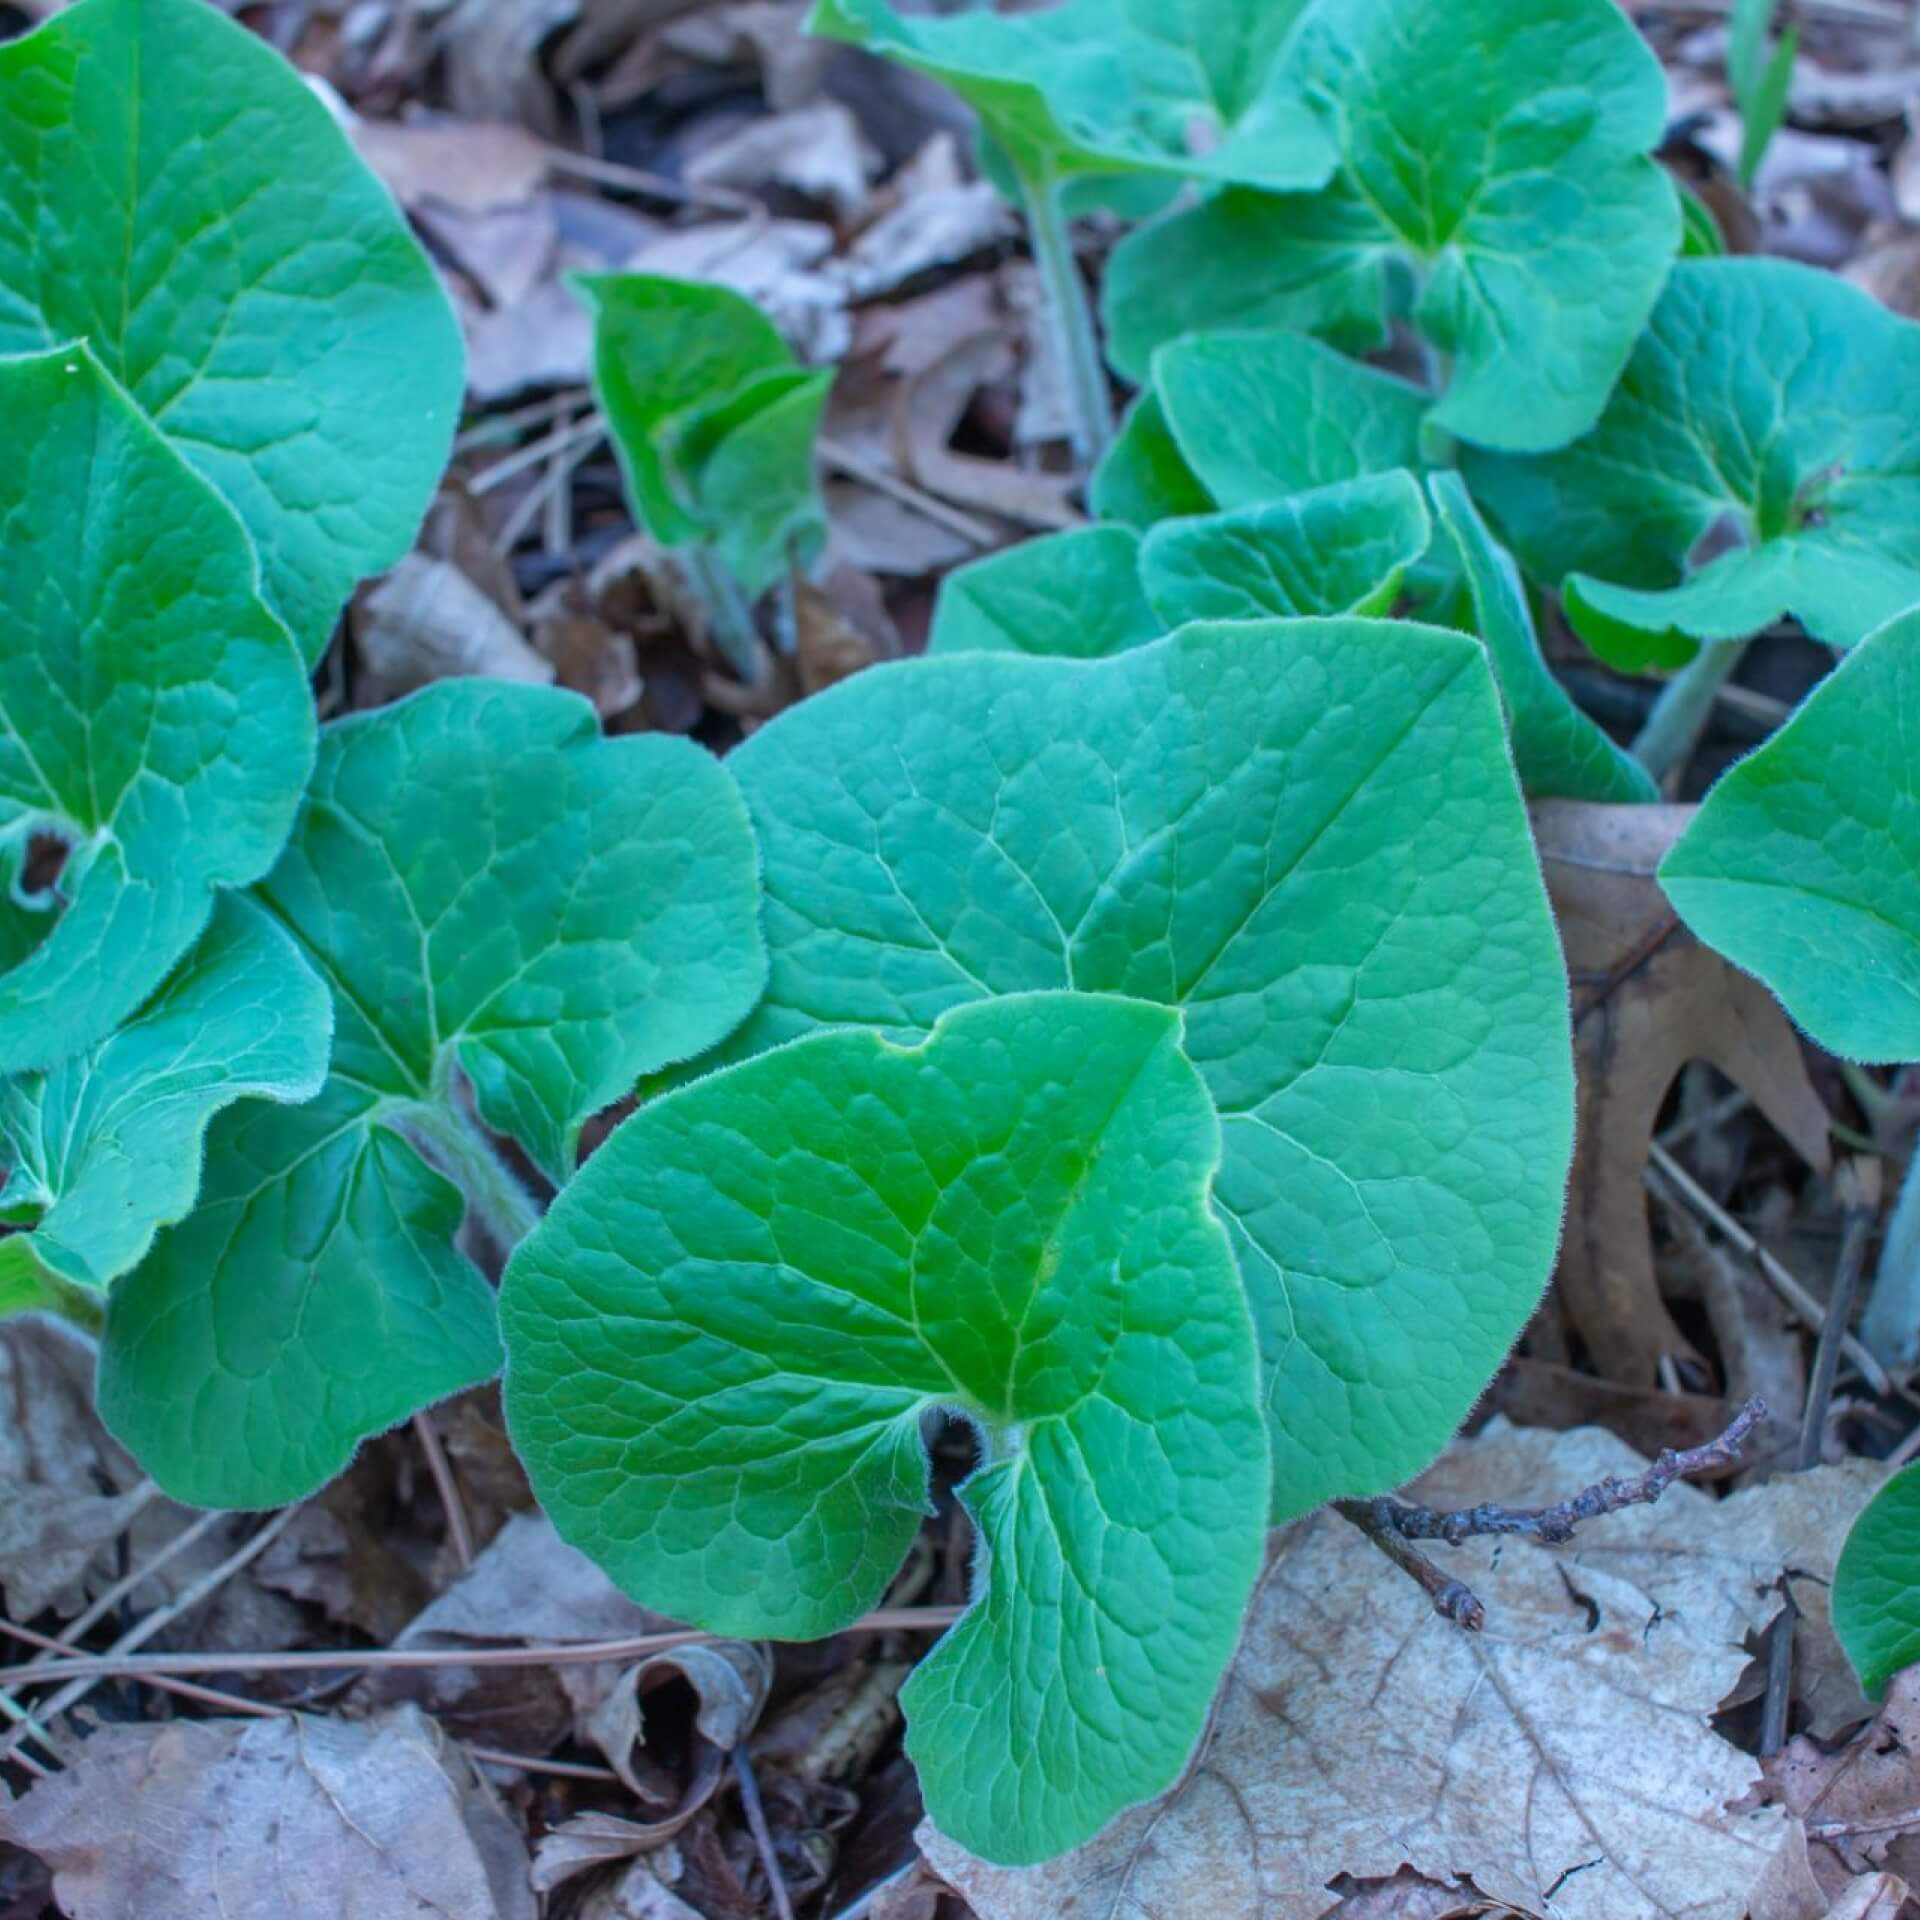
{"x":1258,"y":416}
{"x":106,"y":1147}
{"x":1764,"y":112}
{"x":1307,"y":834}
{"x":1116,"y":86}
{"x":173,"y":193}
{"x":154,"y":716}
{"x":485,"y":884}
{"x":1311,"y":263}
{"x":1338,"y":549}
{"x":1560,"y":753}
{"x":1876,"y":1586}
{"x":1076,"y":594}
{"x":1496,"y":150}
{"x":1752,"y":463}
{"x":1143,"y":477}
{"x":725,"y":1338}
{"x":749,"y":464}
{"x":1700,"y":235}
{"x":1801,"y":865}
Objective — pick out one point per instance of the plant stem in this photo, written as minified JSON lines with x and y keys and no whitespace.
{"x":1890,"y":1327}
{"x":729,"y":616}
{"x":1075,"y":337}
{"x":464,"y":1154}
{"x":1679,"y":716}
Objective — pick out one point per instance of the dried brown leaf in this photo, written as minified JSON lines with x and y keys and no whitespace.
{"x":427,"y":621}
{"x":248,"y":1818}
{"x":1647,"y":998}
{"x":818,"y":151}
{"x":1566,"y":1749}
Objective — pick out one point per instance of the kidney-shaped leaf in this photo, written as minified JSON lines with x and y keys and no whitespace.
{"x":1802,"y":865}
{"x":1497,"y":147}
{"x":485,"y":883}
{"x":1876,"y":1586}
{"x":1306,"y":834}
{"x":1560,"y":753}
{"x":1075,"y":593}
{"x":1116,"y":86}
{"x":105,"y":1148}
{"x":154,"y":716}
{"x":172,"y":192}
{"x":725,"y":1337}
{"x":1757,"y":459}
{"x":1338,"y":549}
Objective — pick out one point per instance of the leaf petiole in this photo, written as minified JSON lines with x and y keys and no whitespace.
{"x":457,"y":1146}
{"x":1075,"y":337}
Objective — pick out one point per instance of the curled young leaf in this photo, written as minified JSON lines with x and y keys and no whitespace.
{"x":725,"y":1338}
{"x":174,"y":194}
{"x":155,"y":723}
{"x":105,"y":1148}
{"x":1801,"y":867}
{"x":1496,"y":150}
{"x":1876,"y":1586}
{"x":1308,"y":836}
{"x":486,"y":885}
{"x":1756,"y":460}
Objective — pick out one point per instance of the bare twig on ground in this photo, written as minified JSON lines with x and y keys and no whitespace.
{"x":762,"y":1834}
{"x":1393,"y":1524}
{"x":459,"y":1532}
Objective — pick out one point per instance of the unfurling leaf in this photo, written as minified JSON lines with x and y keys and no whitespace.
{"x":725,"y":1338}
{"x":1754,"y":461}
{"x":155,"y":723}
{"x":1803,"y":866}
{"x":1876,"y":1586}
{"x":172,"y":193}
{"x":1498,"y":150}
{"x":1307,"y":835}
{"x":105,"y":1148}
{"x":486,"y":885}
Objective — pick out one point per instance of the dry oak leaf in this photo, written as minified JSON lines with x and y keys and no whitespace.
{"x":1647,"y":998}
{"x":263,"y":1819}
{"x":1561,"y":1762}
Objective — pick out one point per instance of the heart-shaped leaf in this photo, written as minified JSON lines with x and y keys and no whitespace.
{"x":154,"y":716}
{"x":1338,"y":549}
{"x":1497,"y":149}
{"x":1143,"y":477}
{"x":106,"y":1147}
{"x":713,"y":422}
{"x":1801,"y":866}
{"x":1876,"y":1586}
{"x":1560,"y":753}
{"x":485,"y":884}
{"x":173,"y":193}
{"x":1756,"y":460}
{"x":1076,"y":593}
{"x":1116,"y":86}
{"x":726,"y":1336}
{"x":1306,"y":834}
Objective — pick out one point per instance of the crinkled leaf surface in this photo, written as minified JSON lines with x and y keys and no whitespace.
{"x":1801,"y":866}
{"x":1499,"y":148}
{"x":106,"y":1147}
{"x":172,"y":192}
{"x":1876,"y":1586}
{"x":724,"y":1338}
{"x":1143,"y":477}
{"x":1560,"y":753}
{"x":1338,"y":549}
{"x":1116,"y":86}
{"x":1307,"y":834}
{"x":1075,"y":593}
{"x":1764,"y":420}
{"x":484,"y":882}
{"x":153,"y":714}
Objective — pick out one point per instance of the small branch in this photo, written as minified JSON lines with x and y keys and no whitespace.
{"x":1859,"y":1188}
{"x":459,"y":1532}
{"x":1452,"y":1599}
{"x":1680,"y":714}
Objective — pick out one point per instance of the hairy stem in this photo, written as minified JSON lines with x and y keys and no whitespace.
{"x":1679,"y":716}
{"x":1075,"y":336}
{"x":463,"y":1153}
{"x":729,"y":614}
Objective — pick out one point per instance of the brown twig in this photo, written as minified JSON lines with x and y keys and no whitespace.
{"x":762,"y":1833}
{"x":459,"y":1533}
{"x":1452,"y":1599}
